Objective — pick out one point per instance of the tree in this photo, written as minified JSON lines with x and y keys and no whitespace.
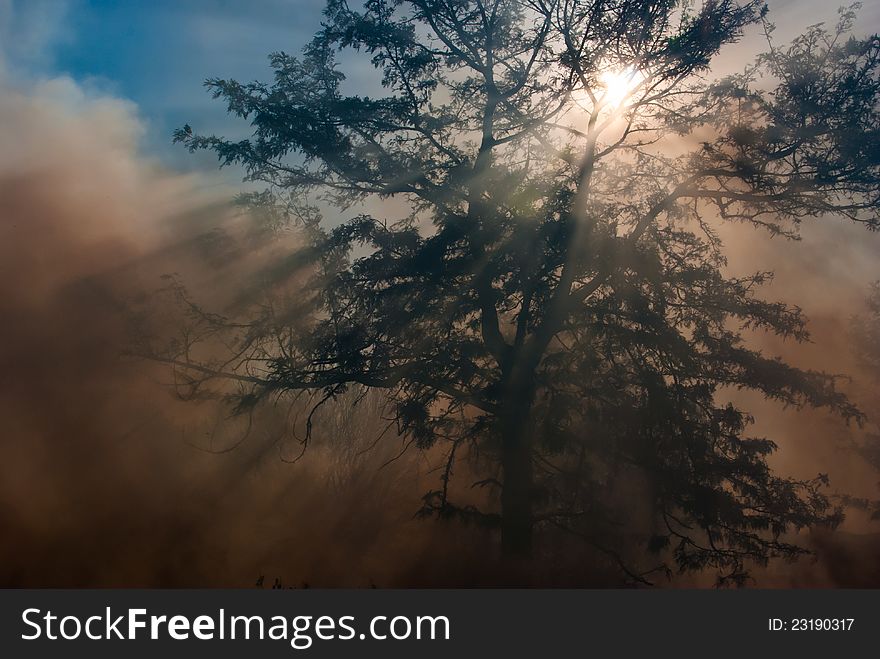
{"x":555,"y":301}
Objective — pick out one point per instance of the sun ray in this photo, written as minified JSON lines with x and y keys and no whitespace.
{"x":619,"y":85}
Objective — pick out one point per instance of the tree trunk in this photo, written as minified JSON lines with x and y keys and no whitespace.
{"x":516,"y":495}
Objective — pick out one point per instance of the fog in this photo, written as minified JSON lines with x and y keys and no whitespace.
{"x":108,"y":479}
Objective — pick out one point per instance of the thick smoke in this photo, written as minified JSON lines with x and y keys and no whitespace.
{"x":828,"y":275}
{"x":107,"y":480}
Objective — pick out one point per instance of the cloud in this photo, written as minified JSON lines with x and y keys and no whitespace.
{"x":105,"y":478}
{"x":100,"y":483}
{"x":78,"y":208}
{"x":29,"y":31}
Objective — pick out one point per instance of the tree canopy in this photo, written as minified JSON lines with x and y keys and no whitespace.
{"x":554,"y":303}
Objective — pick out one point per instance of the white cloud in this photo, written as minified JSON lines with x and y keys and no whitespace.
{"x":28,"y":32}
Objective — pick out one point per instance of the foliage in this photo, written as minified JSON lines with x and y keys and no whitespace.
{"x":555,"y":303}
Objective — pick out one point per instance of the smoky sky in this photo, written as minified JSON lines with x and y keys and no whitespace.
{"x":106,"y":479}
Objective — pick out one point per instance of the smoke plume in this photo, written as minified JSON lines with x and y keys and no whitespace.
{"x":107,"y":480}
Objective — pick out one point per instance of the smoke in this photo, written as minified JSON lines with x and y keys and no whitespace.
{"x":90,"y":469}
{"x":827,"y":274}
{"x":107,"y":480}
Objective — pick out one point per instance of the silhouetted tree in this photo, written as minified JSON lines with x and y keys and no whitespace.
{"x":554,"y":301}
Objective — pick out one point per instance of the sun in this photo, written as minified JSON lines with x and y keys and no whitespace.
{"x":618,"y":85}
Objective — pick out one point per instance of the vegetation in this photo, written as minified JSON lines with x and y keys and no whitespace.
{"x":552,"y":305}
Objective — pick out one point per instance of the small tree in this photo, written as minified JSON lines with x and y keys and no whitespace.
{"x":554,"y":302}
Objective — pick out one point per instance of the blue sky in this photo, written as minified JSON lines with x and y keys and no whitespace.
{"x":155,"y":53}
